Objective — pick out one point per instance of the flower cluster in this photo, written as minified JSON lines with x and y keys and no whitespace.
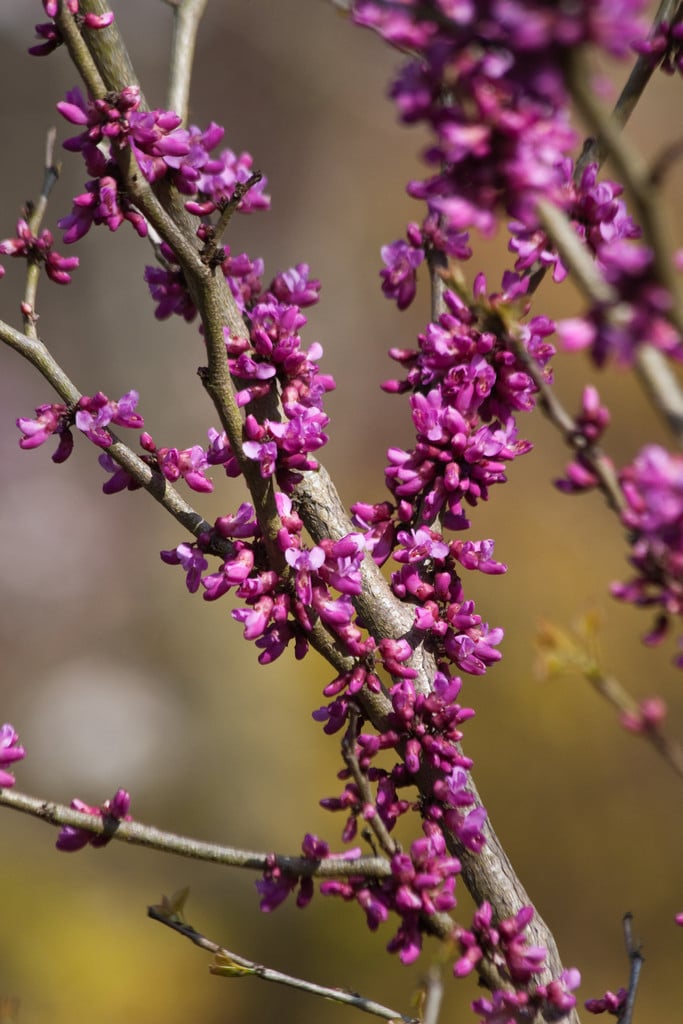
{"x":505,"y":945}
{"x":10,"y":751}
{"x":653,"y":488}
{"x":637,"y":315}
{"x":276,"y":884}
{"x":116,"y":809}
{"x":51,"y":34}
{"x":612,"y":1003}
{"x":466,"y":387}
{"x":422,"y":882}
{"x":91,"y":416}
{"x":426,"y":728}
{"x":38,"y":249}
{"x":278,"y":609}
{"x":488,"y":80}
{"x":665,"y":45}
{"x":595,"y":211}
{"x":589,"y":425}
{"x":163,"y":149}
{"x":402,"y":259}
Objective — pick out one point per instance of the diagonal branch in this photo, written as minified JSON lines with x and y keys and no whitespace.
{"x":233,"y":965}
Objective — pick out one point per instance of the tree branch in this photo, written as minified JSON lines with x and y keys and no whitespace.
{"x":187,"y":15}
{"x":233,"y":965}
{"x":136,"y":833}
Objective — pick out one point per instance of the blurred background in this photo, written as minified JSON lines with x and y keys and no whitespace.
{"x":115,"y":676}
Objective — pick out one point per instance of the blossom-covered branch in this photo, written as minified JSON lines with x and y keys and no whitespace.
{"x":136,"y":833}
{"x":492,"y":83}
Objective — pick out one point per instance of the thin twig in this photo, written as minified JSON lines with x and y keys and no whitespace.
{"x":374,"y":820}
{"x":654,"y":373}
{"x":136,"y":833}
{"x":37,"y":353}
{"x":557,"y":414}
{"x":433,"y":988}
{"x":233,"y":965}
{"x":634,"y":175}
{"x":596,"y":150}
{"x":562,"y":650}
{"x":51,"y":173}
{"x":187,"y":15}
{"x":615,"y":693}
{"x":637,"y":959}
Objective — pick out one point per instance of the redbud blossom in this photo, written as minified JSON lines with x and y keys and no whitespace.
{"x":71,"y":838}
{"x":10,"y":751}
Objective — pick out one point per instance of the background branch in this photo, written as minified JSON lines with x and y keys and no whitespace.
{"x":187,"y":15}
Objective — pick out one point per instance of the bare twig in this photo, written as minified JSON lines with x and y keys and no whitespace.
{"x":233,"y":965}
{"x":433,"y":995}
{"x":187,"y":14}
{"x":562,"y":651}
{"x":636,"y":957}
{"x":660,"y":383}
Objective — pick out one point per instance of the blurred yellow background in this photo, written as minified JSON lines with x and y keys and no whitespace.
{"x":115,"y":676}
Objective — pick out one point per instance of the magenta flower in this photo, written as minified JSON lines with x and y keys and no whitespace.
{"x":102,"y":203}
{"x":94,"y":414}
{"x":399,"y":277}
{"x":10,"y":751}
{"x":648,"y":718}
{"x":218,"y":177}
{"x":190,"y":557}
{"x":295,"y":287}
{"x":51,"y":34}
{"x":49,"y":419}
{"x":168,"y":288}
{"x":71,"y":838}
{"x":38,"y":249}
{"x":612,"y":1003}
